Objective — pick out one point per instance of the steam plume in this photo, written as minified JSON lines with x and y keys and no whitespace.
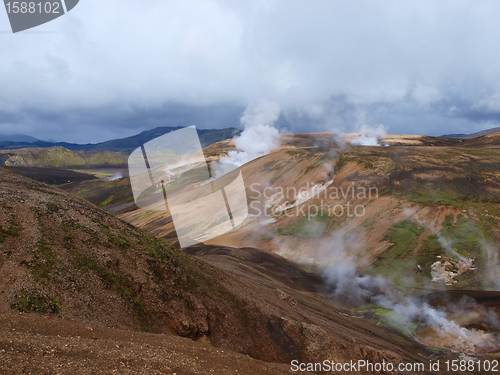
{"x":348,"y":283}
{"x":446,"y":245}
{"x":370,"y":135}
{"x":259,"y":136}
{"x":116,"y":176}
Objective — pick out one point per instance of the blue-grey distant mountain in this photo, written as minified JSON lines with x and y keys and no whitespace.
{"x":17,"y":138}
{"x":473,"y":135}
{"x":126,"y":145}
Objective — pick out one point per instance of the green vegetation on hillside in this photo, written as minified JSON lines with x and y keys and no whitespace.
{"x":431,"y":175}
{"x":60,"y":157}
{"x":103,"y":192}
{"x":464,"y":235}
{"x":315,"y":226}
{"x":398,"y":262}
{"x":409,"y":247}
{"x":403,"y":235}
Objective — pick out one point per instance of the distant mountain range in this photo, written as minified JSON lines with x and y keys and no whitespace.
{"x":473,"y":135}
{"x":126,"y":145}
{"x":17,"y":138}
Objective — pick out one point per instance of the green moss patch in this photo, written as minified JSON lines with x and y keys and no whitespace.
{"x":403,"y":235}
{"x":315,"y":226}
{"x":396,"y":321}
{"x":464,"y":236}
{"x":32,"y":301}
{"x":399,"y":263}
{"x":42,"y":265}
{"x":7,"y":232}
{"x":109,"y":199}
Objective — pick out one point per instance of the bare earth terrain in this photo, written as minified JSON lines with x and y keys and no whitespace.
{"x":31,"y":344}
{"x":83,"y":291}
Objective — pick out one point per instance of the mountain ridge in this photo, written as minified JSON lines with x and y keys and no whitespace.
{"x":481,"y":133}
{"x":125,"y":145}
{"x":17,"y":138}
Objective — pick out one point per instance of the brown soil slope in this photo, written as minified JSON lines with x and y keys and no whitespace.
{"x":45,"y":344}
{"x":64,"y":257}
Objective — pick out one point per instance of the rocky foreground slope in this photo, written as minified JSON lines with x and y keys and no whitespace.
{"x":64,"y":258}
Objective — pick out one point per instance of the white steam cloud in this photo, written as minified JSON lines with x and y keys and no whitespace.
{"x":351,"y":286}
{"x":259,"y":136}
{"x":116,"y":176}
{"x":445,"y":325}
{"x":341,"y":272}
{"x":370,"y":135}
{"x":446,"y":245}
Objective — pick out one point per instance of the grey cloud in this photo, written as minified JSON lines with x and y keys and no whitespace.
{"x":117,"y":65}
{"x":101,"y":124}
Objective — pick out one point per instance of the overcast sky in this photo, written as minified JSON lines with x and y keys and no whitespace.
{"x":113,"y":68}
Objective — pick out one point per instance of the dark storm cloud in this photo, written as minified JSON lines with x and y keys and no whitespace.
{"x":97,"y":125}
{"x":114,"y":68}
